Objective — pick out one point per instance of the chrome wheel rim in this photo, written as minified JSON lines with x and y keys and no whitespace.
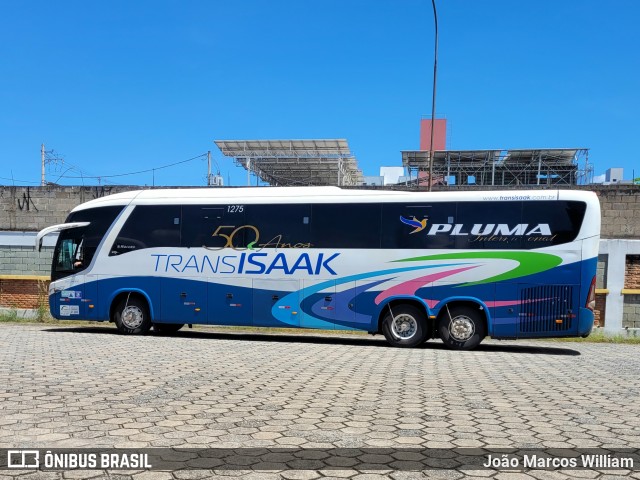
{"x":132,"y":317}
{"x":462,"y":328}
{"x":404,"y":327}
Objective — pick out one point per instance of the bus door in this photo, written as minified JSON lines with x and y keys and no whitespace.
{"x":548,"y":310}
{"x":276,"y":303}
{"x":230,"y":303}
{"x":318,"y":304}
{"x":184,"y":300}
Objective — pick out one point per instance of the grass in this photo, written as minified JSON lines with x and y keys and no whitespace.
{"x":10,"y":316}
{"x":40,"y":317}
{"x":598,"y":336}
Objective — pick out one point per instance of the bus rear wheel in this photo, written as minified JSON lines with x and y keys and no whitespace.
{"x":461,"y":327}
{"x":167,"y":328}
{"x":132,"y":316}
{"x":405,"y":326}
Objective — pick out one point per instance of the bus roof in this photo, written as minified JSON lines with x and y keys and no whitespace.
{"x":253,"y":195}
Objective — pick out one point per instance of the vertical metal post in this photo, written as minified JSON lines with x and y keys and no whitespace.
{"x":493,"y":169}
{"x":433,"y":99}
{"x":248,"y":171}
{"x":448,"y":167}
{"x":540,"y":168}
{"x":209,"y":168}
{"x":42,"y":182}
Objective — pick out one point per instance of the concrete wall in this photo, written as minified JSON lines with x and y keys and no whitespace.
{"x":33,"y":208}
{"x":620,"y":211}
{"x":631,"y":311}
{"x":622,"y":288}
{"x":18,"y":260}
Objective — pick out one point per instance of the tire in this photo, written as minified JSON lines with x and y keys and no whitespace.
{"x":461,"y":328}
{"x":132,"y":316}
{"x":405,"y":326}
{"x":167,"y":328}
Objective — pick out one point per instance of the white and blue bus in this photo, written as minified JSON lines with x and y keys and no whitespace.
{"x":410,"y":265}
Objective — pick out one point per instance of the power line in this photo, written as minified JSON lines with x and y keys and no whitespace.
{"x":20,"y":181}
{"x":201,"y":156}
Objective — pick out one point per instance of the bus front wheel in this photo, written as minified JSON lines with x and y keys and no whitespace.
{"x":132,"y":316}
{"x":405,"y":326}
{"x":461,"y":327}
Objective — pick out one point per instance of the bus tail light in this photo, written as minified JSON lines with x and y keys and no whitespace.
{"x":591,"y":298}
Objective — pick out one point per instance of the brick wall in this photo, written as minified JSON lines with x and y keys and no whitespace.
{"x":601,"y":283}
{"x":601,"y":307}
{"x":23,"y":293}
{"x":632,"y":272}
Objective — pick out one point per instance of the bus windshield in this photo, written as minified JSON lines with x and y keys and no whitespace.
{"x":76,"y":247}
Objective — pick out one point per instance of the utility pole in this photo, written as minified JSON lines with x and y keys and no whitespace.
{"x":209,"y":168}
{"x":42,"y":182}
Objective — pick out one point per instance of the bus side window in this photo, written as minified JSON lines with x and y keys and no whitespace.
{"x":418,"y":226}
{"x":491,"y":225}
{"x":346,"y":225}
{"x":280,"y":226}
{"x":211,"y":226}
{"x":149,"y":226}
{"x":564,"y":219}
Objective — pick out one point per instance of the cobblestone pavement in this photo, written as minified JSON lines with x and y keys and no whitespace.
{"x":89,"y":387}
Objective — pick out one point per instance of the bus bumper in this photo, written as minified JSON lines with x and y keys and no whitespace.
{"x":585,"y":324}
{"x":53,"y":303}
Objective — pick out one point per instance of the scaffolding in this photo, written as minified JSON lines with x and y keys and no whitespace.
{"x":295,"y":162}
{"x":559,"y":166}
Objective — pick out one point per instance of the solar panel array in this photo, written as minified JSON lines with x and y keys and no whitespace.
{"x":296,"y":162}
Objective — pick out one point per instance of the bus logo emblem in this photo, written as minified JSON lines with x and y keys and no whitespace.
{"x":414,"y":222}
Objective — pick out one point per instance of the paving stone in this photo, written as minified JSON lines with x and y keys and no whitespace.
{"x":217,"y":390}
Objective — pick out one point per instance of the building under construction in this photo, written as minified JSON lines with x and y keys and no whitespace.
{"x":558,"y":166}
{"x":331,"y":162}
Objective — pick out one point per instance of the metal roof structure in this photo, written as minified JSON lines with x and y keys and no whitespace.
{"x":556,"y":166}
{"x":295,"y":162}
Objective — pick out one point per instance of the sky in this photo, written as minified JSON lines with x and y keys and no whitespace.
{"x":118,"y":87}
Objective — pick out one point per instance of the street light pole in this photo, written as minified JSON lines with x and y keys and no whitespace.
{"x":433,"y":99}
